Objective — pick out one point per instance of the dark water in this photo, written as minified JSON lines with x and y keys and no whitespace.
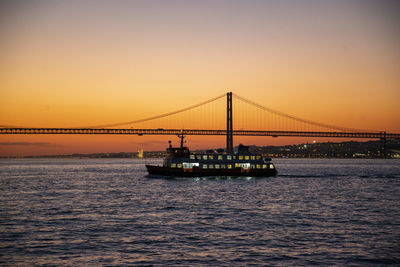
{"x":106,"y":212}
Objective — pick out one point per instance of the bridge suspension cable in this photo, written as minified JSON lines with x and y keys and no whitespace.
{"x":208,"y":118}
{"x":153,"y":117}
{"x":158,"y":116}
{"x":291,"y":117}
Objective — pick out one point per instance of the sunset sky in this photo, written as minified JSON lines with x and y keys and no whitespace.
{"x":83,"y":63}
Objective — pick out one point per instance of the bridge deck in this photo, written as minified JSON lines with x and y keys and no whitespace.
{"x":369,"y":135}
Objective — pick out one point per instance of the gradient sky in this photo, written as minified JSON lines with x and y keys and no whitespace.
{"x":78,"y":63}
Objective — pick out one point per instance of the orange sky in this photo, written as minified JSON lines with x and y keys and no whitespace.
{"x":81,"y":63}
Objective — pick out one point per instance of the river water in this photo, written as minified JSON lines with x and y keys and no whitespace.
{"x":107,"y":212}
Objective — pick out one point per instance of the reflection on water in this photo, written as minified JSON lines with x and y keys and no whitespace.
{"x":108,"y":212}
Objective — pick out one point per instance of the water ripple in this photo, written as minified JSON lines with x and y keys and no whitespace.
{"x":108,"y":212}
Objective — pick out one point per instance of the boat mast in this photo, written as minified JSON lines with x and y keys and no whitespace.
{"x":181,"y":136}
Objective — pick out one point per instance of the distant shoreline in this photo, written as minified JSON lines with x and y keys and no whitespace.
{"x":351,"y":149}
{"x":88,"y":157}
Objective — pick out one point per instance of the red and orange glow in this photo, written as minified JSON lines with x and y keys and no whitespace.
{"x":80,"y":63}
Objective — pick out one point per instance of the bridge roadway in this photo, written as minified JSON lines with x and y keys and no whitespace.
{"x":160,"y":131}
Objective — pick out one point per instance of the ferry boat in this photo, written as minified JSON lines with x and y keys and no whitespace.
{"x":180,"y":162}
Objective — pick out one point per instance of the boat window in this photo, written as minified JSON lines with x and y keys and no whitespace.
{"x":189,"y":165}
{"x":191,"y":156}
{"x":179,"y":165}
{"x":211,"y":157}
{"x":173,"y":165}
{"x":271,"y":166}
{"x":244,"y":165}
{"x":217,"y":166}
{"x":240,"y":157}
{"x":237,"y":165}
{"x":204,"y":166}
{"x":198,"y":156}
{"x":229,"y":166}
{"x":264,"y":166}
{"x":258,"y":157}
{"x":246,"y":157}
{"x":210,"y":166}
{"x":228,"y":157}
{"x":234,"y":157}
{"x":258,"y":166}
{"x":253,"y":157}
{"x":220,"y":157}
{"x":204,"y":156}
{"x":223,"y":166}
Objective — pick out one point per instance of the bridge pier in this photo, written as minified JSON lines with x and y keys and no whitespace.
{"x":383,"y":153}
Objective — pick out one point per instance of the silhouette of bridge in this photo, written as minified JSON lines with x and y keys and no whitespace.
{"x":161,"y":131}
{"x":213,"y":117}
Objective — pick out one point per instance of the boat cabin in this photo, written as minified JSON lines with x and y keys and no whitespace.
{"x":178,"y":152}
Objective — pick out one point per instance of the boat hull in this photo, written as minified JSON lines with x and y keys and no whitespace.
{"x":198,"y":172}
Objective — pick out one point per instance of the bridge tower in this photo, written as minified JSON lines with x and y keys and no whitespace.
{"x":229,"y":124}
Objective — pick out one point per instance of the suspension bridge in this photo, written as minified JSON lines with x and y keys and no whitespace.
{"x":228,"y":114}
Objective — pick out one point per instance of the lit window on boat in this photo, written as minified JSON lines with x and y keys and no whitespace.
{"x":234,"y":157}
{"x":173,"y":165}
{"x":204,"y":166}
{"x":198,"y":156}
{"x":179,"y":165}
{"x":191,"y":156}
{"x":229,"y":166}
{"x":271,"y":166}
{"x":220,"y":157}
{"x":217,"y":166}
{"x":189,"y":165}
{"x":253,"y":157}
{"x":210,"y":166}
{"x":211,"y":157}
{"x":204,"y":156}
{"x":264,"y":166}
{"x":223,"y":166}
{"x":240,"y":157}
{"x":258,"y":157}
{"x":246,"y":157}
{"x":228,"y":157}
{"x":237,"y":165}
{"x":258,"y":166}
{"x":245,"y":166}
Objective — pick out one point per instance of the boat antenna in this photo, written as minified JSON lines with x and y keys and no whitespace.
{"x":181,"y":136}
